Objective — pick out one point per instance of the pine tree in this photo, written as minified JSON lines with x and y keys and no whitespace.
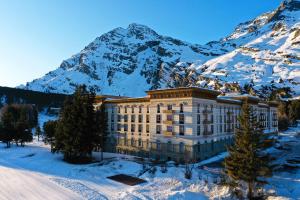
{"x":247,"y":162}
{"x":76,"y":134}
{"x":49,"y":133}
{"x":38,"y":132}
{"x":8,"y":131}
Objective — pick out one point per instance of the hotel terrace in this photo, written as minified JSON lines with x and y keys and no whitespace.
{"x":178,"y":124}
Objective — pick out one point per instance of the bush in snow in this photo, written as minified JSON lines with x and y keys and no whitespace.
{"x":163,"y":168}
{"x":152,"y":171}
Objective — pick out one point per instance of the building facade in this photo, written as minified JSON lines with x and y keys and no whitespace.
{"x":182,"y":124}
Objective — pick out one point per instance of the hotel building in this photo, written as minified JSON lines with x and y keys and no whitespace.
{"x":178,"y":124}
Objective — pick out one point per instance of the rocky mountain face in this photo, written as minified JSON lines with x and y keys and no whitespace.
{"x":262,"y":55}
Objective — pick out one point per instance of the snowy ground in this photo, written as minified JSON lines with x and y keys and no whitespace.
{"x":33,"y":172}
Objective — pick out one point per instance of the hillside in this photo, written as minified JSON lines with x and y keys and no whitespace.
{"x":41,"y":99}
{"x":262,"y":54}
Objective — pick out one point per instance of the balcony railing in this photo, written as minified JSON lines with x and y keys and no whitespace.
{"x":207,"y":111}
{"x":168,"y":133}
{"x":206,"y":121}
{"x":206,"y":133}
{"x":169,"y":111}
{"x":168,"y":122}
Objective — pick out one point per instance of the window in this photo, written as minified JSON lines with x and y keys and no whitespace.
{"x":181,"y":108}
{"x":169,"y":107}
{"x":132,"y":118}
{"x":212,"y":129}
{"x":181,"y":130}
{"x":198,"y":119}
{"x":140,"y":109}
{"x":125,"y":118}
{"x":125,"y":127}
{"x":132,"y":127}
{"x":158,"y":144}
{"x":147,"y":128}
{"x":132,"y":109}
{"x":198,"y":130}
{"x":140,"y":142}
{"x":119,"y":110}
{"x":112,"y":127}
{"x":181,"y":147}
{"x":147,"y":118}
{"x":169,"y":146}
{"x":132,"y":142}
{"x":169,"y":117}
{"x":158,"y":118}
{"x":140,"y":118}
{"x":125,"y":109}
{"x":119,"y":127}
{"x":169,"y":128}
{"x":198,"y":108}
{"x":158,"y":129}
{"x":140,"y":128}
{"x":112,"y":118}
{"x":220,"y":118}
{"x":158,"y":108}
{"x":212,"y":119}
{"x":148,"y":110}
{"x":119,"y":118}
{"x":181,"y":118}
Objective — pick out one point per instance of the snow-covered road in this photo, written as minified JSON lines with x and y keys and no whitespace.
{"x":17,"y":184}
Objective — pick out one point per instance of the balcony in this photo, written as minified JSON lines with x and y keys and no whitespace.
{"x":168,"y":122}
{"x":205,"y":112}
{"x":229,"y":121}
{"x":206,"y":121}
{"x":169,"y":111}
{"x":168,"y":133}
{"x":207,"y":133}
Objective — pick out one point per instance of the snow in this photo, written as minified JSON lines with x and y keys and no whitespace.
{"x":121,"y":62}
{"x":32,"y":172}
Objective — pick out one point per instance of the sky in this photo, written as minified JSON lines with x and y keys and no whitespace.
{"x":37,"y":35}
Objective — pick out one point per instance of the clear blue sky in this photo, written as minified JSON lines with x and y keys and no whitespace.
{"x":36,"y":35}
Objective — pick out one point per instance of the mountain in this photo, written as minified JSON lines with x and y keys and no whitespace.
{"x":262,"y":55}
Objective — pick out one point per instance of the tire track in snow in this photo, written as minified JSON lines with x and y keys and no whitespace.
{"x":80,"y":188}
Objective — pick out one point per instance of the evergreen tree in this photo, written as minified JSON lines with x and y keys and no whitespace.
{"x":8,"y":131}
{"x":294,"y":111}
{"x":247,"y":162}
{"x":16,"y":124}
{"x":76,"y":134}
{"x":49,"y":133}
{"x":38,"y":132}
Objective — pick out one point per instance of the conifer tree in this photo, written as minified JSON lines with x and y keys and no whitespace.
{"x":247,"y":163}
{"x":76,"y":134}
{"x":49,"y":132}
{"x":38,"y":132}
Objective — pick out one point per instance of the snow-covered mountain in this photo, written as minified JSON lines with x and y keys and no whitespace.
{"x":263,"y":53}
